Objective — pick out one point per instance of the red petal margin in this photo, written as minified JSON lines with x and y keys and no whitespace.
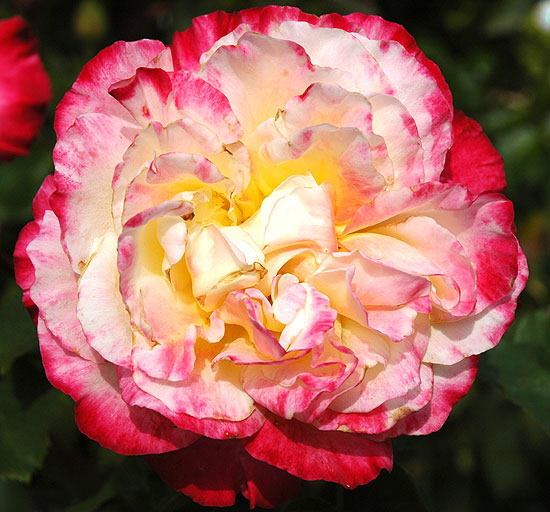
{"x":24,"y":271}
{"x":472,"y":159}
{"x":375,"y":27}
{"x":213,"y":472}
{"x":205,"y":30}
{"x":311,"y":454}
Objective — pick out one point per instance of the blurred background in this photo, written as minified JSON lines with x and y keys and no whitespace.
{"x":494,"y":451}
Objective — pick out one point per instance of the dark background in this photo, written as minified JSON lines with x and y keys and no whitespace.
{"x":494,"y":451}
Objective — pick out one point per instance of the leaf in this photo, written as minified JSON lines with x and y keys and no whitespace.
{"x":20,"y":333}
{"x":15,"y":496}
{"x":521,"y":365}
{"x":24,"y":433}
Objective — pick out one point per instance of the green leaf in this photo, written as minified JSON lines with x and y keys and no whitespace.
{"x":24,"y":433}
{"x":15,"y":496}
{"x":521,"y":365}
{"x":20,"y":333}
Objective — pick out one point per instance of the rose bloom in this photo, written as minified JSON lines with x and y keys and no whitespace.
{"x":24,"y":88}
{"x":266,"y":250}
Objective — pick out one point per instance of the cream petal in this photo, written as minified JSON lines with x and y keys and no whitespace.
{"x":221,"y":260}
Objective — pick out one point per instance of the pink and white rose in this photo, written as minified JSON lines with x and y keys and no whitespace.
{"x":266,"y":250}
{"x":25,"y":88}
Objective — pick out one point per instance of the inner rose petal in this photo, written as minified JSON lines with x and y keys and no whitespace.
{"x":221,"y":260}
{"x":312,"y":208}
{"x":306,"y":313}
{"x":339,"y":155}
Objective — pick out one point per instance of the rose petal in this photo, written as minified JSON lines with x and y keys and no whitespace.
{"x":450,"y":342}
{"x":100,"y":310}
{"x":312,"y":209}
{"x":208,"y":392}
{"x":451,"y":383}
{"x":54,"y":289}
{"x":238,"y":263}
{"x":472,"y":159}
{"x":209,"y":427}
{"x":83,"y":170}
{"x":100,"y":412}
{"x":257,"y":96}
{"x":147,"y":96}
{"x":304,"y":451}
{"x":378,"y":423}
{"x":394,"y":379}
{"x":213,"y":472}
{"x":90,"y":91}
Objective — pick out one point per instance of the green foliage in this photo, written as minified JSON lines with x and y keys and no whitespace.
{"x":521,"y":364}
{"x":24,"y":432}
{"x":22,"y":334}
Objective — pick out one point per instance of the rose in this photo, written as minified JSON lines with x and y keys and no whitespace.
{"x":266,"y":250}
{"x":24,"y":88}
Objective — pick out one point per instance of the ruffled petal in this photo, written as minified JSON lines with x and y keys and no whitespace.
{"x":450,"y":384}
{"x":90,"y":92}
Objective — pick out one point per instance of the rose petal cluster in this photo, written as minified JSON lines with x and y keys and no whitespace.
{"x":266,"y":250}
{"x":25,"y":88}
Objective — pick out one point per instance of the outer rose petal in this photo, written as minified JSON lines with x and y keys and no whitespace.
{"x":472,"y":159}
{"x":488,"y":236}
{"x":100,"y":310}
{"x":54,"y":290}
{"x":189,"y":45}
{"x":83,"y":169}
{"x":450,"y":342}
{"x":304,"y":451}
{"x":100,"y":411}
{"x":212,"y":472}
{"x":205,"y":30}
{"x":375,"y":27}
{"x":451,"y":383}
{"x":90,"y":92}
{"x":24,"y":88}
{"x":24,"y":270}
{"x":385,"y":416}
